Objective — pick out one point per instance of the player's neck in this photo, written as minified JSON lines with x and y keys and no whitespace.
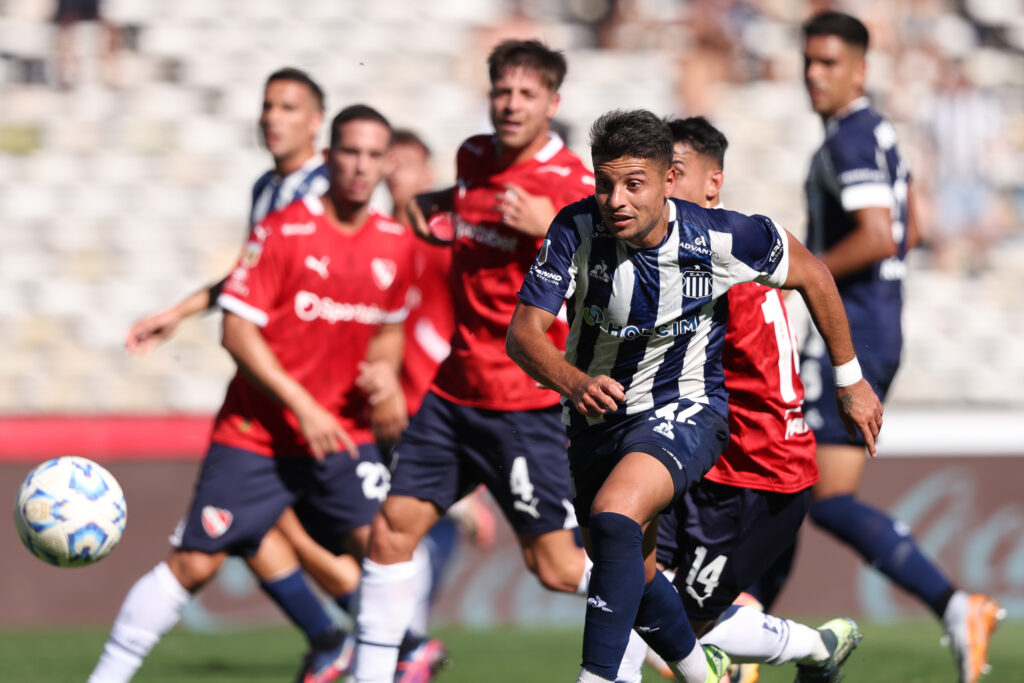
{"x":345,"y":216}
{"x":508,"y":156}
{"x":293,"y":162}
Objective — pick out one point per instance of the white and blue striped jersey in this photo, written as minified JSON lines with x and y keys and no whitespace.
{"x":649,"y":317}
{"x":271,"y":192}
{"x":859,"y":166}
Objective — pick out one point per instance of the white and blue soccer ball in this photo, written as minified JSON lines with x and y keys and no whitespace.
{"x":70,"y":512}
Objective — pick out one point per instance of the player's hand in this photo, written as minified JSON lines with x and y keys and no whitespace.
{"x":388,"y":419}
{"x":378,"y":381}
{"x":324,"y":433}
{"x":421,"y":209}
{"x":527,"y":213}
{"x":861,"y":411}
{"x":597,"y":396}
{"x":150,"y":331}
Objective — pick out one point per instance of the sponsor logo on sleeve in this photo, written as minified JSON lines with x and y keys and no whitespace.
{"x":542,"y":255}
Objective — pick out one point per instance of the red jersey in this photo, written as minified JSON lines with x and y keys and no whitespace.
{"x":489,"y":261}
{"x":319,"y":296}
{"x":770,"y":447}
{"x":429,"y":327}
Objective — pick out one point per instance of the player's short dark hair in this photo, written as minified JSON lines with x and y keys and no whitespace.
{"x":698,"y":133}
{"x":356,"y":112}
{"x":845,"y":27}
{"x":531,"y":55}
{"x":299,"y":76}
{"x":406,"y":136}
{"x":637,"y":133}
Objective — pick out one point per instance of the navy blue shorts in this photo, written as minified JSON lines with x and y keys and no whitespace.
{"x":240,"y":495}
{"x":720,"y":539}
{"x":687,"y":442}
{"x":820,"y":411}
{"x":448,"y":450}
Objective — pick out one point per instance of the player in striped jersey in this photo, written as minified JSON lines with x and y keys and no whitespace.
{"x":641,"y":379}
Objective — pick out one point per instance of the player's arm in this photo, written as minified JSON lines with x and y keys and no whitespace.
{"x":244,"y":341}
{"x":153,"y":329}
{"x":379,"y":378}
{"x":859,"y":406}
{"x":915,"y":235}
{"x":423,"y":206}
{"x":869,"y":242}
{"x":528,"y":345}
{"x":529,"y":214}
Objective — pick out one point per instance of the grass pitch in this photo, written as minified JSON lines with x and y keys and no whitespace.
{"x":906,"y":652}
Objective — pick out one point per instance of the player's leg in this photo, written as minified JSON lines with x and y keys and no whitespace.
{"x":425,"y":481}
{"x":338,"y":575}
{"x":236,"y":500}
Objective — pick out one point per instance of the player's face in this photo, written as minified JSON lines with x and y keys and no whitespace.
{"x":833,"y":73}
{"x":358,"y":160}
{"x":521,"y":108}
{"x":410,"y":172}
{"x":631,"y":196}
{"x":290,"y":120}
{"x":695,"y":175}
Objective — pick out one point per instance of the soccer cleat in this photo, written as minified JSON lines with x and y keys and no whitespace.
{"x":324,"y":666}
{"x":841,"y":636}
{"x":969,"y":635}
{"x":421,"y":663}
{"x":718,"y":664}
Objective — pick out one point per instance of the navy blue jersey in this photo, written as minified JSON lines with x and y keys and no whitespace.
{"x":649,"y":317}
{"x":858,"y":166}
{"x":271,"y":192}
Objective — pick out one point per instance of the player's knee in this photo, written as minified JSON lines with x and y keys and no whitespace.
{"x":388,"y":544}
{"x":826,"y":512}
{"x":553,"y":574}
{"x":193,"y":569}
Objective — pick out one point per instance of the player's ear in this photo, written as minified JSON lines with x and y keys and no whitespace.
{"x":714,"y":185}
{"x":556,"y":99}
{"x":670,"y":180}
{"x":327,"y":154}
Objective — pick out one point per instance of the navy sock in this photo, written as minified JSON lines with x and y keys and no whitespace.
{"x":347,"y":603}
{"x":662,"y":621}
{"x":441,"y":542}
{"x":886,"y":545}
{"x":296,"y":598}
{"x":616,"y":587}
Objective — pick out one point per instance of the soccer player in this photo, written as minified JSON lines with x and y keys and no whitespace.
{"x":732,"y":524}
{"x":644,"y":402}
{"x":857,"y":195}
{"x":484,"y":420}
{"x":313,"y":318}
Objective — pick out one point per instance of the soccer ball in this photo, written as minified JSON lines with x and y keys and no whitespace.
{"x":70,"y":512}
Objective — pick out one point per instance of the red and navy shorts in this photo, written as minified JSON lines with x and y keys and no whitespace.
{"x":449,"y":449}
{"x":240,"y":495}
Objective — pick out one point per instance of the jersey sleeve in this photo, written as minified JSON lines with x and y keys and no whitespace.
{"x":749,"y":249}
{"x":552,"y":277}
{"x":856,"y":160}
{"x":254,"y":284}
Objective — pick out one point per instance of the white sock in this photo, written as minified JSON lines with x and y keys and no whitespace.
{"x":693,"y":668}
{"x":588,"y":564}
{"x":956,"y":608}
{"x":152,"y":607}
{"x":388,"y":597}
{"x":424,"y":575}
{"x":631,"y":667}
{"x":749,"y":635}
{"x":587,"y":677}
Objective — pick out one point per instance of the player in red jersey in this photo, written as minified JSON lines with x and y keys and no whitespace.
{"x":314,"y":314}
{"x":729,"y":528}
{"x":484,"y":420}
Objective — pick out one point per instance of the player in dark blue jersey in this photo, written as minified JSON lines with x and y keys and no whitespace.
{"x":860,"y":222}
{"x":641,"y":379}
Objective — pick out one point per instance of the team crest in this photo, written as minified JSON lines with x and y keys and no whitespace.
{"x":697,"y":284}
{"x":216,"y":521}
{"x":384,"y":271}
{"x":251,"y":257}
{"x":542,"y":255}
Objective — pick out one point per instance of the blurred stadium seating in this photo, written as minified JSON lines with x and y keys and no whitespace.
{"x":116,"y":201}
